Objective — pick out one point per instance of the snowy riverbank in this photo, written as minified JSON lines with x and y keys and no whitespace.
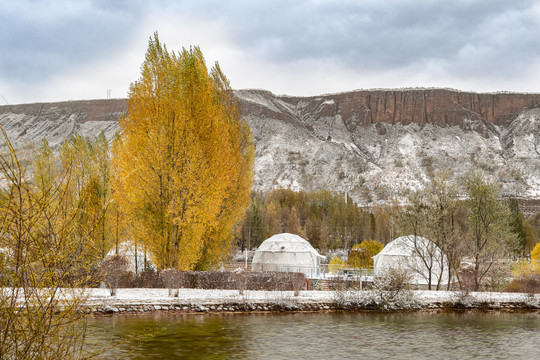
{"x":197,"y":300}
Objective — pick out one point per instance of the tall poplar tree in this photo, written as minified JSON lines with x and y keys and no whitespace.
{"x":184,"y":159}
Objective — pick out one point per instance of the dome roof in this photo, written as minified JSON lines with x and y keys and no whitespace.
{"x":289,"y":253}
{"x":287,"y":243}
{"x":415,"y":253}
{"x":407,"y":246}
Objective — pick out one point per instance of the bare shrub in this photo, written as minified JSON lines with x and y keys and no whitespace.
{"x":113,"y":270}
{"x":466,"y":281}
{"x":528,"y":284}
{"x":269,"y":281}
{"x":172,"y":279}
{"x":240,"y":279}
{"x":148,"y":278}
{"x":342,"y":283}
{"x":344,"y":294}
{"x":497,"y":277}
{"x":214,"y":280}
{"x":298,"y":282}
{"x":392,"y":289}
{"x":254,"y":280}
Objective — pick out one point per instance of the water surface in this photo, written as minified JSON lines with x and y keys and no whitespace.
{"x":322,"y":336}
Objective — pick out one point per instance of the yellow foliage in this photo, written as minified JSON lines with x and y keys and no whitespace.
{"x":522,"y":268}
{"x":88,"y":161}
{"x":336,"y":264}
{"x":184,"y":159}
{"x":535,"y":258}
{"x":361,"y":254}
{"x":43,"y":232}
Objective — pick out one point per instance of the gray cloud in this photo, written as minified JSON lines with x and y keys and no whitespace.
{"x":489,"y":41}
{"x":465,"y":37}
{"x":41,"y":41}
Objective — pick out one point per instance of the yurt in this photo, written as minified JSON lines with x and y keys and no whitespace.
{"x":417,"y":255}
{"x":288,"y":253}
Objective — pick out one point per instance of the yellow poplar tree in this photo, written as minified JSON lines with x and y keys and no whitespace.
{"x":535,"y":258}
{"x":184,"y":159}
{"x":88,"y":161}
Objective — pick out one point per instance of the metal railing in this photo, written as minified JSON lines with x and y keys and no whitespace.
{"x":347,"y":272}
{"x":325,"y":271}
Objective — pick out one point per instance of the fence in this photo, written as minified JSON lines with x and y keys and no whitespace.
{"x":324,"y":271}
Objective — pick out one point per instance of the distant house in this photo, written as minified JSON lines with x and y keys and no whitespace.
{"x":422,"y":257}
{"x":288,"y":253}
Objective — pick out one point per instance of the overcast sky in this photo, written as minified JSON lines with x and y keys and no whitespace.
{"x":56,"y":50}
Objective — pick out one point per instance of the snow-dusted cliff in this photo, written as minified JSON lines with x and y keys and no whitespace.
{"x":374,"y":145}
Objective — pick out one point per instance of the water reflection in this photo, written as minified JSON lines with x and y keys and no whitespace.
{"x":322,"y":336}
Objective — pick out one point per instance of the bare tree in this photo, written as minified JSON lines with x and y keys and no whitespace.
{"x":415,"y":222}
{"x":444,"y":225}
{"x":39,"y":318}
{"x":432,"y":215}
{"x":113,"y":269}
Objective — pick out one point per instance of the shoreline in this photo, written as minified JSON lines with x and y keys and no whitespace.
{"x":197,"y":301}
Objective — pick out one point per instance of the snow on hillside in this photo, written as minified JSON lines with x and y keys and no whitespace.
{"x":372,"y":146}
{"x":311,"y":146}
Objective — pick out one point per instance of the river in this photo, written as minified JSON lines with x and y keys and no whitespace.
{"x":468,"y":335}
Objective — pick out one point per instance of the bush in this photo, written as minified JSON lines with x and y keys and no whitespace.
{"x":392,"y":289}
{"x":345,"y":292}
{"x":341,"y":283}
{"x":529,"y":284}
{"x":115,"y":277}
{"x":148,"y":278}
{"x":114,"y":272}
{"x":466,"y":281}
{"x":254,"y":280}
{"x":497,"y":277}
{"x":209,"y":280}
{"x":240,"y":278}
{"x":298,"y":282}
{"x":172,"y":279}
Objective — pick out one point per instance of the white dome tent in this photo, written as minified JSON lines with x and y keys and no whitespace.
{"x":416,"y":254}
{"x":134,"y":254}
{"x":288,"y":253}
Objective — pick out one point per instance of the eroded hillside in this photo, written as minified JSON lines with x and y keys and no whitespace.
{"x":374,"y":145}
{"x":381,"y":144}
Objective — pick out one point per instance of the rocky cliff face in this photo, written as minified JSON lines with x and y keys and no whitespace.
{"x":374,"y":145}
{"x":29,"y":123}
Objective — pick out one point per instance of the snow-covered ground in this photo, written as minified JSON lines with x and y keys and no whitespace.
{"x":154,"y":296}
